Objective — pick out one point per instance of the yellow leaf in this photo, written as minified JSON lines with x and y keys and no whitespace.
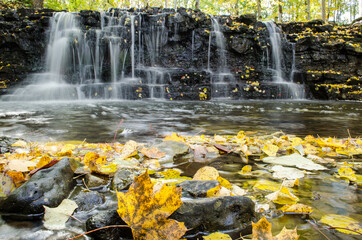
{"x":217,"y":236}
{"x":262,"y":230}
{"x":213,"y":192}
{"x":219,"y":139}
{"x":65,"y":154}
{"x":297,"y":208}
{"x":271,"y":150}
{"x":146,"y":212}
{"x":152,"y":152}
{"x":287,"y":234}
{"x":225,"y":183}
{"x":108,"y":169}
{"x":347,"y":173}
{"x":283,"y":196}
{"x":44,"y":160}
{"x":68,"y":147}
{"x":90,"y":156}
{"x":339,"y":221}
{"x":246,"y":169}
{"x":296,"y":141}
{"x":129,"y":149}
{"x":18,"y":177}
{"x":20,"y":143}
{"x":21,"y":165}
{"x":266,"y":185}
{"x":206,"y":173}
{"x":174,"y":137}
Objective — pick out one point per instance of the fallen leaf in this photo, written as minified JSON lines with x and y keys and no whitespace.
{"x":146,"y":212}
{"x":21,"y":165}
{"x":287,"y":234}
{"x":18,"y":177}
{"x":283,"y":196}
{"x":174,"y":137}
{"x":297,"y":209}
{"x":6,"y":185}
{"x":55,"y":218}
{"x":347,"y":173}
{"x":206,"y":173}
{"x":262,"y":230}
{"x":223,"y":182}
{"x":339,"y":221}
{"x":266,"y":185}
{"x":281,"y":172}
{"x":44,"y":160}
{"x":129,"y":149}
{"x":296,"y":160}
{"x":89,"y":157}
{"x":152,"y":152}
{"x":246,"y":169}
{"x":20,"y":143}
{"x":270,"y":149}
{"x":217,"y":236}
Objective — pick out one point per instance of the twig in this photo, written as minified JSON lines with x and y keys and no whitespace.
{"x":115,"y":134}
{"x":349,"y":134}
{"x":201,"y":131}
{"x":94,"y":230}
{"x":85,"y":185}
{"x":153,"y":131}
{"x":76,"y":219}
{"x":317,"y":228}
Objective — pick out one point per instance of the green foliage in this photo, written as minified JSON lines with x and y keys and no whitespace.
{"x":15,"y":4}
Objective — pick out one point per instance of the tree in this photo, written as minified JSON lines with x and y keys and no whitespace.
{"x":38,"y":4}
{"x":197,"y":4}
{"x":258,"y":3}
{"x":280,"y":11}
{"x":324,"y":10}
{"x":308,"y":10}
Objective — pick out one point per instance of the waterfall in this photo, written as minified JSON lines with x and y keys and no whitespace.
{"x":277,"y":64}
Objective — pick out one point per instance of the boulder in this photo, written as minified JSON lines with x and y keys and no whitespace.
{"x":197,"y":188}
{"x":88,"y":200}
{"x":46,"y":187}
{"x":232,"y":214}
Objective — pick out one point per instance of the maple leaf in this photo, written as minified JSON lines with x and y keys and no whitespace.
{"x":262,"y":231}
{"x":146,"y":211}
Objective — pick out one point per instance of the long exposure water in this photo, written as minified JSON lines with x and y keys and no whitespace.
{"x":97,"y":121}
{"x":148,"y":121}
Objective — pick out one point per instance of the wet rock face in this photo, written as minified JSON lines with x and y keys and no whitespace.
{"x":46,"y":187}
{"x":195,"y":189}
{"x":183,"y":49}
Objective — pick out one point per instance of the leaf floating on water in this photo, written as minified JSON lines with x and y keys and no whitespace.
{"x":283,"y":196}
{"x":339,"y":221}
{"x":347,"y":173}
{"x":262,"y":230}
{"x":55,"y":218}
{"x":217,"y":236}
{"x":146,"y":212}
{"x":297,"y":209}
{"x":296,"y":160}
{"x":281,"y":172}
{"x":6,"y":185}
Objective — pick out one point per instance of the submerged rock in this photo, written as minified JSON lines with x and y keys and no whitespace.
{"x":233,"y":214}
{"x":108,"y":218}
{"x":172,"y":149}
{"x":46,"y":187}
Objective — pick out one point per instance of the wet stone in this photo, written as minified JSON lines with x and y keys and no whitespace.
{"x":46,"y":187}
{"x":123,"y":178}
{"x":88,"y":200}
{"x":195,"y":189}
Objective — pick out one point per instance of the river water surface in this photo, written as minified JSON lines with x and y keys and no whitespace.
{"x":148,"y":121}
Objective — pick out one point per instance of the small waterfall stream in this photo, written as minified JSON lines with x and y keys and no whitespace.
{"x":277,"y":65}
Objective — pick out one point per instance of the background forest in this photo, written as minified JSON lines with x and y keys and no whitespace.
{"x":339,"y":11}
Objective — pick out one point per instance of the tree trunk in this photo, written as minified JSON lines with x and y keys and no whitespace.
{"x":38,"y":4}
{"x":165,"y":3}
{"x":280,"y":11}
{"x":360,"y":8}
{"x":324,"y":10}
{"x":258,"y":3}
{"x":308,"y":10}
{"x":237,"y":7}
{"x":197,"y":4}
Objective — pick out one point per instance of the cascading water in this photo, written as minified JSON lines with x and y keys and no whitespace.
{"x":277,"y":65}
{"x":222,"y":80}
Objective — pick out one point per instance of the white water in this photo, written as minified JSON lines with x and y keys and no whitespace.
{"x":280,"y":76}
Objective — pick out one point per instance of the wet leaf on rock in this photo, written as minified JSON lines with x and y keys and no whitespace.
{"x":206,"y":173}
{"x":152,"y":152}
{"x":283,"y":196}
{"x":146,"y":211}
{"x":347,"y":173}
{"x":55,"y":218}
{"x":21,"y":165}
{"x":270,"y":150}
{"x":174,"y":137}
{"x":297,"y":209}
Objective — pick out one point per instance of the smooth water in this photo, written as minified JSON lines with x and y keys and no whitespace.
{"x":97,"y":121}
{"x":148,"y":121}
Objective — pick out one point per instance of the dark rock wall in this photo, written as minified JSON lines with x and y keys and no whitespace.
{"x":329,"y":59}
